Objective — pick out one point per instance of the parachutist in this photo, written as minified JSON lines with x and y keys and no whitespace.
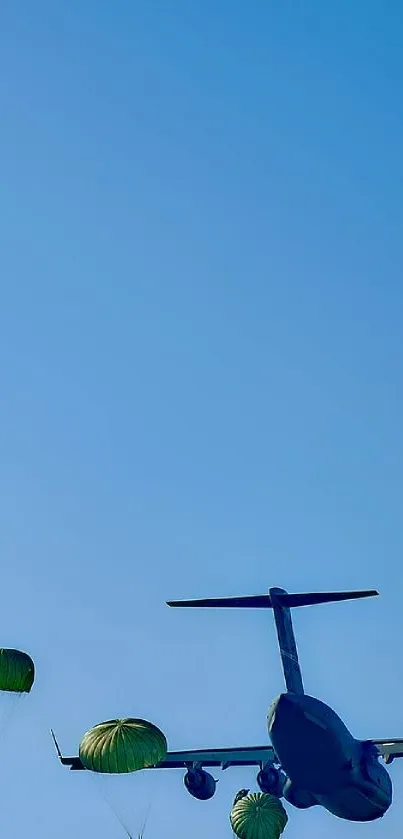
{"x":241,"y":794}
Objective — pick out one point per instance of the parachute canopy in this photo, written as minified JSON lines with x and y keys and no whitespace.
{"x":17,"y":671}
{"x":258,"y":816}
{"x":126,"y":745}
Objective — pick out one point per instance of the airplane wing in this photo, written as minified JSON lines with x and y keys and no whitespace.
{"x":389,"y":749}
{"x":221,"y":758}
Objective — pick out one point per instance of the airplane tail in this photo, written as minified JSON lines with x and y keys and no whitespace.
{"x":281,"y":602}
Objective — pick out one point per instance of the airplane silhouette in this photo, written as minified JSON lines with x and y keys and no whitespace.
{"x":313,"y":759}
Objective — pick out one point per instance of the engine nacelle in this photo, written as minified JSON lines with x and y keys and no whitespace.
{"x":271,"y":781}
{"x":200,"y":784}
{"x":298,"y":797}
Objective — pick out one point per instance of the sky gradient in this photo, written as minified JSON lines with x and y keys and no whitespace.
{"x":200,"y":382}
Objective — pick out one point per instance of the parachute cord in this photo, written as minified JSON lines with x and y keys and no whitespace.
{"x":9,"y":715}
{"x":141,"y":834}
{"x":111,"y":807}
{"x":124,"y":827}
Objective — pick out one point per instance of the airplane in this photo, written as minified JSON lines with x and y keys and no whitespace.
{"x":312,"y":758}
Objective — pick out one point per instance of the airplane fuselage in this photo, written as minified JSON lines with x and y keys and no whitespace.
{"x":324,"y":763}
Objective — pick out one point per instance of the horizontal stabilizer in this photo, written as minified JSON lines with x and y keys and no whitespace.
{"x":260,"y":601}
{"x":316,"y":597}
{"x":263,"y":601}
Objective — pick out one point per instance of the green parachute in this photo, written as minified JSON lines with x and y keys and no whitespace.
{"x":17,"y":671}
{"x":258,"y":816}
{"x":123,"y":745}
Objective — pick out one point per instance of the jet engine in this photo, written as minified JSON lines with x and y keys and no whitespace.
{"x":200,"y":784}
{"x":271,"y":781}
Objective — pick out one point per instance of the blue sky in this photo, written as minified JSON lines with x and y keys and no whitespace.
{"x":201,"y":382}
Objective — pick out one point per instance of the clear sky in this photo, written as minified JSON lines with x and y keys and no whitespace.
{"x":201,"y":383}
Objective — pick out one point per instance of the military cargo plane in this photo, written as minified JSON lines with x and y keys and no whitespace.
{"x":312,"y":758}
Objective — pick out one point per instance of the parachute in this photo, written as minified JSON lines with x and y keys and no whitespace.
{"x":17,"y":674}
{"x":258,"y":816}
{"x":121,"y":746}
{"x":17,"y":671}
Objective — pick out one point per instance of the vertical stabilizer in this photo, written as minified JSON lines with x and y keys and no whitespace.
{"x":286,"y":642}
